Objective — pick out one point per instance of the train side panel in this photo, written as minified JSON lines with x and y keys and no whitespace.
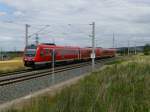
{"x":108,"y":52}
{"x":42,"y":54}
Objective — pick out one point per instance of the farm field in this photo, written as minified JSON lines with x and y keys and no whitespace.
{"x":122,"y":86}
{"x":11,"y":65}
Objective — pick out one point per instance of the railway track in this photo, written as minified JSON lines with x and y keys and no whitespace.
{"x":15,"y":72}
{"x":19,"y":77}
{"x":28,"y":70}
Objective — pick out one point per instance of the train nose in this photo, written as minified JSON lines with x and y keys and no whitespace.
{"x":29,"y":62}
{"x":29,"y":59}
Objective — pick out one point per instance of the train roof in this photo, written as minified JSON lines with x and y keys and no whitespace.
{"x":52,"y":45}
{"x":48,"y":44}
{"x":56,"y":46}
{"x":32,"y":46}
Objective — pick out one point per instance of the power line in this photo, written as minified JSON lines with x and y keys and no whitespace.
{"x":37,"y":39}
{"x":39,"y":30}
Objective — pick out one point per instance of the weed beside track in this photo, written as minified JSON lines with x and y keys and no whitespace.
{"x":117,"y":88}
{"x":11,"y":66}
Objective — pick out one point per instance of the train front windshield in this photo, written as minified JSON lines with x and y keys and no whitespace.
{"x":30,"y":51}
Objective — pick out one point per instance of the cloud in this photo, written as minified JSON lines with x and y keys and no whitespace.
{"x":7,"y":38}
{"x":18,"y":13}
{"x":2,"y":13}
{"x":127,"y":18}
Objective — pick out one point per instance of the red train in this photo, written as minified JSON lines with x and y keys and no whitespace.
{"x":42,"y":54}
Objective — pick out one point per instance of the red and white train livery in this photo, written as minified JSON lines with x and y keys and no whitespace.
{"x":42,"y":54}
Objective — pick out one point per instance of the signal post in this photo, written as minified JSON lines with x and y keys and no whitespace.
{"x":93,"y":46}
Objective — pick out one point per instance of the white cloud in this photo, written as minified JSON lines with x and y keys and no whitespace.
{"x":18,"y":13}
{"x":5,"y":38}
{"x":2,"y":13}
{"x":127,"y":18}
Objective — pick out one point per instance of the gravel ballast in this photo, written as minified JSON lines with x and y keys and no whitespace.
{"x":20,"y":89}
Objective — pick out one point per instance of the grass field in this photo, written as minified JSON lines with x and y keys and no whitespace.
{"x":120,"y":87}
{"x":11,"y":65}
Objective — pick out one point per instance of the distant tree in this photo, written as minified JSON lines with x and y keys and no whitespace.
{"x":147,"y":49}
{"x":123,"y":51}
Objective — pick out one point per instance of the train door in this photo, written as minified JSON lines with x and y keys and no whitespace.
{"x":42,"y":59}
{"x":47,"y":57}
{"x":79,"y":54}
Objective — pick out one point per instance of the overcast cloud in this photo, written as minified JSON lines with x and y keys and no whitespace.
{"x":69,"y":21}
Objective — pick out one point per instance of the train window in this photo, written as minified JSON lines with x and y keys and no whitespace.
{"x":105,"y":52}
{"x":30,"y":52}
{"x":64,"y":52}
{"x":69,"y":52}
{"x":41,"y":53}
{"x":31,"y":47}
{"x":47,"y":52}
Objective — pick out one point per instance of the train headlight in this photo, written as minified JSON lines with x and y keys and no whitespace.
{"x":25,"y":59}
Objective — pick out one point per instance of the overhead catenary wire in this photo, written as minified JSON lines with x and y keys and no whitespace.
{"x":76,"y":30}
{"x":39,"y":31}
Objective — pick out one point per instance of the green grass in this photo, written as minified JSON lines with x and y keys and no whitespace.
{"x":121,"y":87}
{"x":118,"y":61}
{"x":11,"y":65}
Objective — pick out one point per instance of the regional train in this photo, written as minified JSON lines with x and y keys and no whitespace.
{"x":45,"y":53}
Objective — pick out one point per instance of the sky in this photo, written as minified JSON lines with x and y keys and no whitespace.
{"x":69,"y":22}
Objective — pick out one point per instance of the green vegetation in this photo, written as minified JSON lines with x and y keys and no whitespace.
{"x":118,"y":61}
{"x":123,"y":52}
{"x":11,"y":65}
{"x":119,"y":87}
{"x":147,"y":49}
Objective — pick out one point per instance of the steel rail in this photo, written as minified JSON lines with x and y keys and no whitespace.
{"x":13,"y":76}
{"x":32,"y":73}
{"x":20,"y":79}
{"x":23,"y":71}
{"x":15,"y":72}
{"x":16,"y":79}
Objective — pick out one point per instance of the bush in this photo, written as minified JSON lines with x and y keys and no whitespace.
{"x":147,"y":49}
